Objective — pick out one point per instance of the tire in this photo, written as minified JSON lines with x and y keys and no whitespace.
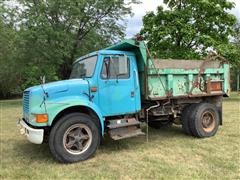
{"x":204,"y":120}
{"x":159,"y":124}
{"x":75,"y":137}
{"x":186,"y":118}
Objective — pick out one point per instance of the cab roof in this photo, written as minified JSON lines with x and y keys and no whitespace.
{"x":105,"y":52}
{"x":129,"y":47}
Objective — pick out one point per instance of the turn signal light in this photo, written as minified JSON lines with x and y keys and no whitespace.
{"x":41,"y":118}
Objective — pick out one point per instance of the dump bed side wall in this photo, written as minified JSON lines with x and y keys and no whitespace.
{"x":187,"y":78}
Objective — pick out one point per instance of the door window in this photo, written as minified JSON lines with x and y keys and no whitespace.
{"x":115,"y":67}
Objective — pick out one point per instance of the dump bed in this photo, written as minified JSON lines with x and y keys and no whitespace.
{"x":163,"y":79}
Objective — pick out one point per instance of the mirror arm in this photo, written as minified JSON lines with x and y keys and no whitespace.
{"x":117,"y":77}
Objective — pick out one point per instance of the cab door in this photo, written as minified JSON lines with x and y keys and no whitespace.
{"x":116,"y":86}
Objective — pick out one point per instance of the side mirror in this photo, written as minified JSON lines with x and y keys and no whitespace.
{"x":123,"y":65}
{"x":106,"y":67}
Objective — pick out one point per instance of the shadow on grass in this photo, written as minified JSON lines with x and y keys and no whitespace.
{"x":154,"y":135}
{"x":42,"y":154}
{"x":34,"y":152}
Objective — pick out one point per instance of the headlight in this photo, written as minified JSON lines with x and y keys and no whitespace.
{"x":32,"y":118}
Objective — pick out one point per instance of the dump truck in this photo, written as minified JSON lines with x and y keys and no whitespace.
{"x":111,"y":91}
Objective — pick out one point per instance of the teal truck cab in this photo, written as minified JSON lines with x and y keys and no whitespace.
{"x":112,"y":90}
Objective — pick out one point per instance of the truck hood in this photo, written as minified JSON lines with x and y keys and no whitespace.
{"x":65,"y":86}
{"x":36,"y":97}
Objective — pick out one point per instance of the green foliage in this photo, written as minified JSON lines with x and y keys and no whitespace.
{"x":59,"y":29}
{"x":231,"y":51}
{"x":33,"y":74}
{"x":236,"y":44}
{"x":187,"y":28}
{"x":9,"y":69}
{"x":45,"y":37}
{"x":234,"y":55}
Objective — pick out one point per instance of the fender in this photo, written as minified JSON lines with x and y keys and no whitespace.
{"x":57,"y":105}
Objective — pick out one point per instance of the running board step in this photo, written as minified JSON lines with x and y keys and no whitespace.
{"x":120,"y":123}
{"x":128,"y":135}
{"x":124,"y":128}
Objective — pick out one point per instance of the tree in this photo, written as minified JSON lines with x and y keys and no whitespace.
{"x":237,"y":64}
{"x":9,"y":66}
{"x":188,"y":28}
{"x":45,"y":37}
{"x":232,"y":52}
{"x":56,"y":31}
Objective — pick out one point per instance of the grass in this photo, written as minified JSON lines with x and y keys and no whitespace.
{"x":169,"y":154}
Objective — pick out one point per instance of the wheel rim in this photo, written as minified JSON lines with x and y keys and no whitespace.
{"x":77,"y":139}
{"x":208,"y":121}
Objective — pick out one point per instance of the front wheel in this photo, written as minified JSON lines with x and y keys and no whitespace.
{"x":73,"y":138}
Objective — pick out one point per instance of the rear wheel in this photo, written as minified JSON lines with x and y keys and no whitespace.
{"x":75,"y":137}
{"x":204,"y":120}
{"x":185,"y":118}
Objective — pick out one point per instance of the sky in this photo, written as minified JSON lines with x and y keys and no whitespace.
{"x":134,"y":23}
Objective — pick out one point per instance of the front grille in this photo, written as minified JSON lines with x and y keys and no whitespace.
{"x":26,"y":101}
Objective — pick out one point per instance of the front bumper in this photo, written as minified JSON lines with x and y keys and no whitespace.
{"x":33,"y":135}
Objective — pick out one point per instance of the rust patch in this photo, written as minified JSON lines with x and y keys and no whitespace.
{"x":208,"y":86}
{"x":169,"y":93}
{"x":216,"y":86}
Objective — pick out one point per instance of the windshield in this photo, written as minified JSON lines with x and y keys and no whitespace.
{"x":84,"y":68}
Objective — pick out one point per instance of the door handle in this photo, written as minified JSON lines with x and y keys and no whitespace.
{"x":132,"y":93}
